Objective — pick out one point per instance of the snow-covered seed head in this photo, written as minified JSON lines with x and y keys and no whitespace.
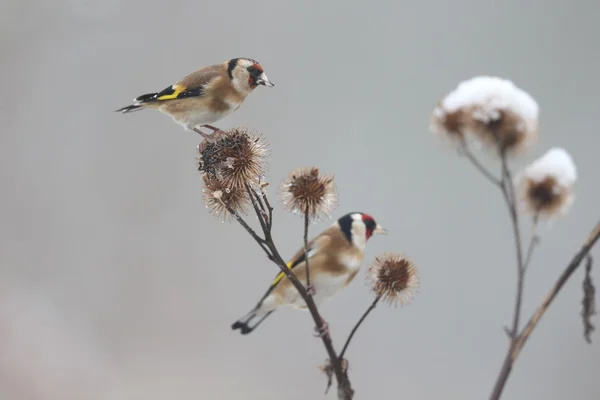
{"x":545,"y":187}
{"x":394,"y":278}
{"x":306,"y":192}
{"x":490,"y":110}
{"x":218,"y":198}
{"x":235,"y":156}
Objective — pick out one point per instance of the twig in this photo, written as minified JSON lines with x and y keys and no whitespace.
{"x":477,"y":164}
{"x":509,"y":197}
{"x":533,"y":241}
{"x":306,"y":248}
{"x":345,"y":391}
{"x":257,"y":210}
{"x":521,"y":339}
{"x":360,"y":321}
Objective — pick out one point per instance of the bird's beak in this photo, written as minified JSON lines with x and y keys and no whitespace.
{"x":263,"y":80}
{"x":380,"y":230}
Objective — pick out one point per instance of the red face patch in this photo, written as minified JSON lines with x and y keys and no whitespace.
{"x":367,"y":217}
{"x":370,"y":225}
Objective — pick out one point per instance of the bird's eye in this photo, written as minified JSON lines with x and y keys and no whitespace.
{"x":253,"y":71}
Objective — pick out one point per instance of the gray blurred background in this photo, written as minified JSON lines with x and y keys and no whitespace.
{"x":115,"y":283}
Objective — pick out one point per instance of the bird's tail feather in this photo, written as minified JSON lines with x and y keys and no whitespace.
{"x":250,"y":321}
{"x":129,"y":109}
{"x":138,"y":103}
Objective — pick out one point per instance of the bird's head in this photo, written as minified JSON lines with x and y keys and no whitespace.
{"x":246,"y":74}
{"x":358,"y":227}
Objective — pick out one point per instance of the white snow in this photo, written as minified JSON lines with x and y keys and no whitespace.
{"x":487,"y":96}
{"x":556,"y":163}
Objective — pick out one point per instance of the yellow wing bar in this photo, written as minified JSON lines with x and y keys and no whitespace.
{"x":281,"y":274}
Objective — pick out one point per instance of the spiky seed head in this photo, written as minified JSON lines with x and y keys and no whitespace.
{"x":218,"y":197}
{"x":545,"y":187}
{"x":307,"y":192}
{"x":394,"y":278}
{"x":236,"y":157}
{"x":491,"y":110}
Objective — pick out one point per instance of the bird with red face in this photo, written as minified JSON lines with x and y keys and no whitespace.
{"x":334,"y":258}
{"x":207,"y":95}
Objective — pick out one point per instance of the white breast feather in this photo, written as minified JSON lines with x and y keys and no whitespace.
{"x":352,"y":262}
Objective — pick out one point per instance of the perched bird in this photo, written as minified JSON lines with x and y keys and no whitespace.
{"x":207,"y":95}
{"x":334,"y":259}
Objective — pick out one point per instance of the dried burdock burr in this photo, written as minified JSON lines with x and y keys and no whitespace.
{"x":490,"y":110}
{"x":308,"y":192}
{"x":236,"y":157}
{"x":394,"y":278}
{"x":545,"y":187}
{"x":220,"y":198}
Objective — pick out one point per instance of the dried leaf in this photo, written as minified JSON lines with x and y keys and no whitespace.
{"x":589,"y":301}
{"x":328,"y":370}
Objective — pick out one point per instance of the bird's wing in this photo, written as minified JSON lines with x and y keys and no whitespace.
{"x":314,"y":247}
{"x":192,"y":85}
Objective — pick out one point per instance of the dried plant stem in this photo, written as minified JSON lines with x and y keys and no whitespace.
{"x":345,"y":391}
{"x":306,"y":218}
{"x":532,"y":242}
{"x":520,"y":340}
{"x":477,"y":164}
{"x":360,"y":321}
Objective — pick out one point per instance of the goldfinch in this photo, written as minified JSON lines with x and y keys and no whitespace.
{"x":334,"y":259}
{"x":207,"y":95}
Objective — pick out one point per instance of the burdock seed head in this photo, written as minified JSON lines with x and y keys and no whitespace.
{"x":489,"y":110}
{"x":394,"y":278}
{"x":307,"y":192}
{"x":219,"y":198}
{"x":545,"y":187}
{"x":236,"y":157}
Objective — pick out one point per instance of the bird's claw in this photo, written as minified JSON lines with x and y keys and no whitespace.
{"x":214,"y":135}
{"x":204,"y":135}
{"x":311,"y":290}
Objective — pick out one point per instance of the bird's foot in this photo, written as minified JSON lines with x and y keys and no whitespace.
{"x":215,"y":135}
{"x":214,"y":129}
{"x":323,"y":331}
{"x":310,"y":289}
{"x":197,"y":130}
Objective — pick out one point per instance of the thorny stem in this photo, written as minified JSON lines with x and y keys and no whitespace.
{"x":520,"y":340}
{"x":360,"y":321}
{"x":345,"y":391}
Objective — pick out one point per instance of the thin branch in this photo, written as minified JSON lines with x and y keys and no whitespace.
{"x":257,"y":210}
{"x":306,"y":248}
{"x":477,"y":164}
{"x":533,"y":241}
{"x":360,"y":321}
{"x":521,"y":339}
{"x":508,"y":193}
{"x":345,"y":391}
{"x":261,"y":203}
{"x":266,"y":200}
{"x":262,"y":243}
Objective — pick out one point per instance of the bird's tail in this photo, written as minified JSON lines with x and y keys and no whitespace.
{"x":138,"y":103}
{"x":250,"y":321}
